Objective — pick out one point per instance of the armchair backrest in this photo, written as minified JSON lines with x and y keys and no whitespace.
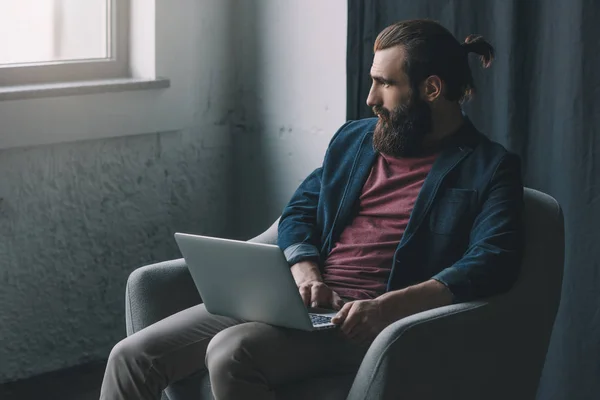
{"x":540,"y":281}
{"x":269,"y":236}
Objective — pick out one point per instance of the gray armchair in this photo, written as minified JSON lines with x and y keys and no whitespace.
{"x":489,"y":349}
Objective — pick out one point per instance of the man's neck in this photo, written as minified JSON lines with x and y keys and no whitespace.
{"x":445,"y":123}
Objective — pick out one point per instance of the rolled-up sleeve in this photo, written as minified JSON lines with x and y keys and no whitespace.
{"x":299,"y":236}
{"x":297,"y":233}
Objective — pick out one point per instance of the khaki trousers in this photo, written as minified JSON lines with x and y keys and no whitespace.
{"x":245,"y":360}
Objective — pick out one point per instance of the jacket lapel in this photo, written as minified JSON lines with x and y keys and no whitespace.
{"x":358,"y":176}
{"x":446,"y":161}
{"x":458,"y":147}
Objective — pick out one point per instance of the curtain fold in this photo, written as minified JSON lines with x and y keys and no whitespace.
{"x":541,"y":100}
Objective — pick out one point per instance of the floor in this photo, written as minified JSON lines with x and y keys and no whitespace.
{"x":80,"y":383}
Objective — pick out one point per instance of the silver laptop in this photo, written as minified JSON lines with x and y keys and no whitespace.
{"x":248,"y":281}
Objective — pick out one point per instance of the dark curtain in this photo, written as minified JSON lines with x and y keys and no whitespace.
{"x":539,"y":99}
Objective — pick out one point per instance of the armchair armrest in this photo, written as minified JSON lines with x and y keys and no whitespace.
{"x":156,"y":291}
{"x":432,"y":354}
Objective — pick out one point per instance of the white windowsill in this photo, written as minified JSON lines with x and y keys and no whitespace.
{"x":80,"y":88}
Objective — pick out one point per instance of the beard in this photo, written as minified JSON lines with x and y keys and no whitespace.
{"x":401,"y":132}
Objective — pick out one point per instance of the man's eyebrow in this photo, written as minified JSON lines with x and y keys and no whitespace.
{"x":381,"y":79}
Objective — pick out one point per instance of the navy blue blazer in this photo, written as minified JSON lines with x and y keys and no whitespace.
{"x":465,"y":229}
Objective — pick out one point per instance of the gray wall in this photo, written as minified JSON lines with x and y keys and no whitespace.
{"x":294,"y":68}
{"x":76,"y":218}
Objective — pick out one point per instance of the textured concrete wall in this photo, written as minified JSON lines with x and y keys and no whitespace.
{"x":294,"y":66}
{"x":76,"y":218}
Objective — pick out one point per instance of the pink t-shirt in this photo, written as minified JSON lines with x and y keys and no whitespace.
{"x":359,"y":264}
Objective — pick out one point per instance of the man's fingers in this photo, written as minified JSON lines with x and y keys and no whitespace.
{"x":341,"y":315}
{"x":305,"y":293}
{"x":321,"y":295}
{"x":350,"y":325}
{"x":338,"y":305}
{"x":314,"y":296}
{"x":317,"y":294}
{"x":351,"y":320}
{"x":337,"y":302}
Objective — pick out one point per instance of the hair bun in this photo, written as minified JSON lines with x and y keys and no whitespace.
{"x":477,"y":44}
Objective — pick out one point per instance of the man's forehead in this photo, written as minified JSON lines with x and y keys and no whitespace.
{"x":388,"y":61}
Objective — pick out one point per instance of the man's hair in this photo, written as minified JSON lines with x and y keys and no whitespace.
{"x":432,"y":50}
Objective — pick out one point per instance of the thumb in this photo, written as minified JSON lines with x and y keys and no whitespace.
{"x":342,"y":314}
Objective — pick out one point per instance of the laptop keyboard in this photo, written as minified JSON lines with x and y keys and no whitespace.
{"x":319,"y":319}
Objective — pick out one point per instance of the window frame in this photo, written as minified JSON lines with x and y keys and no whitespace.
{"x":117,"y":65}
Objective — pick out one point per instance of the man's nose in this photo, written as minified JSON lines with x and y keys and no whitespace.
{"x":373,"y":99}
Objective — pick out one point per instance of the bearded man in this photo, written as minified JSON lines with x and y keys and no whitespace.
{"x":412,"y":210}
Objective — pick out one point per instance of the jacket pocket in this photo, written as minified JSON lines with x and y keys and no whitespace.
{"x":452,"y":211}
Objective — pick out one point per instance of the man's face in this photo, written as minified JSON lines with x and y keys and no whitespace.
{"x":404,"y":118}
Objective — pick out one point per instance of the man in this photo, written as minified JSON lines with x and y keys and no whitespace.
{"x":410,"y":211}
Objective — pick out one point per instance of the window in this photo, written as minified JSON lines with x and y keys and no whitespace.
{"x":50,"y":41}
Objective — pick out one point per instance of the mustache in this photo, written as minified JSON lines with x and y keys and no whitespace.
{"x":380,"y":110}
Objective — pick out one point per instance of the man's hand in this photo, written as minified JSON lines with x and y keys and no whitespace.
{"x":314,"y":292}
{"x":364,"y":319}
{"x":317,"y":294}
{"x":361,"y":320}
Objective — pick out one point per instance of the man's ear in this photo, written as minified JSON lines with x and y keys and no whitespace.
{"x":431,"y":88}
